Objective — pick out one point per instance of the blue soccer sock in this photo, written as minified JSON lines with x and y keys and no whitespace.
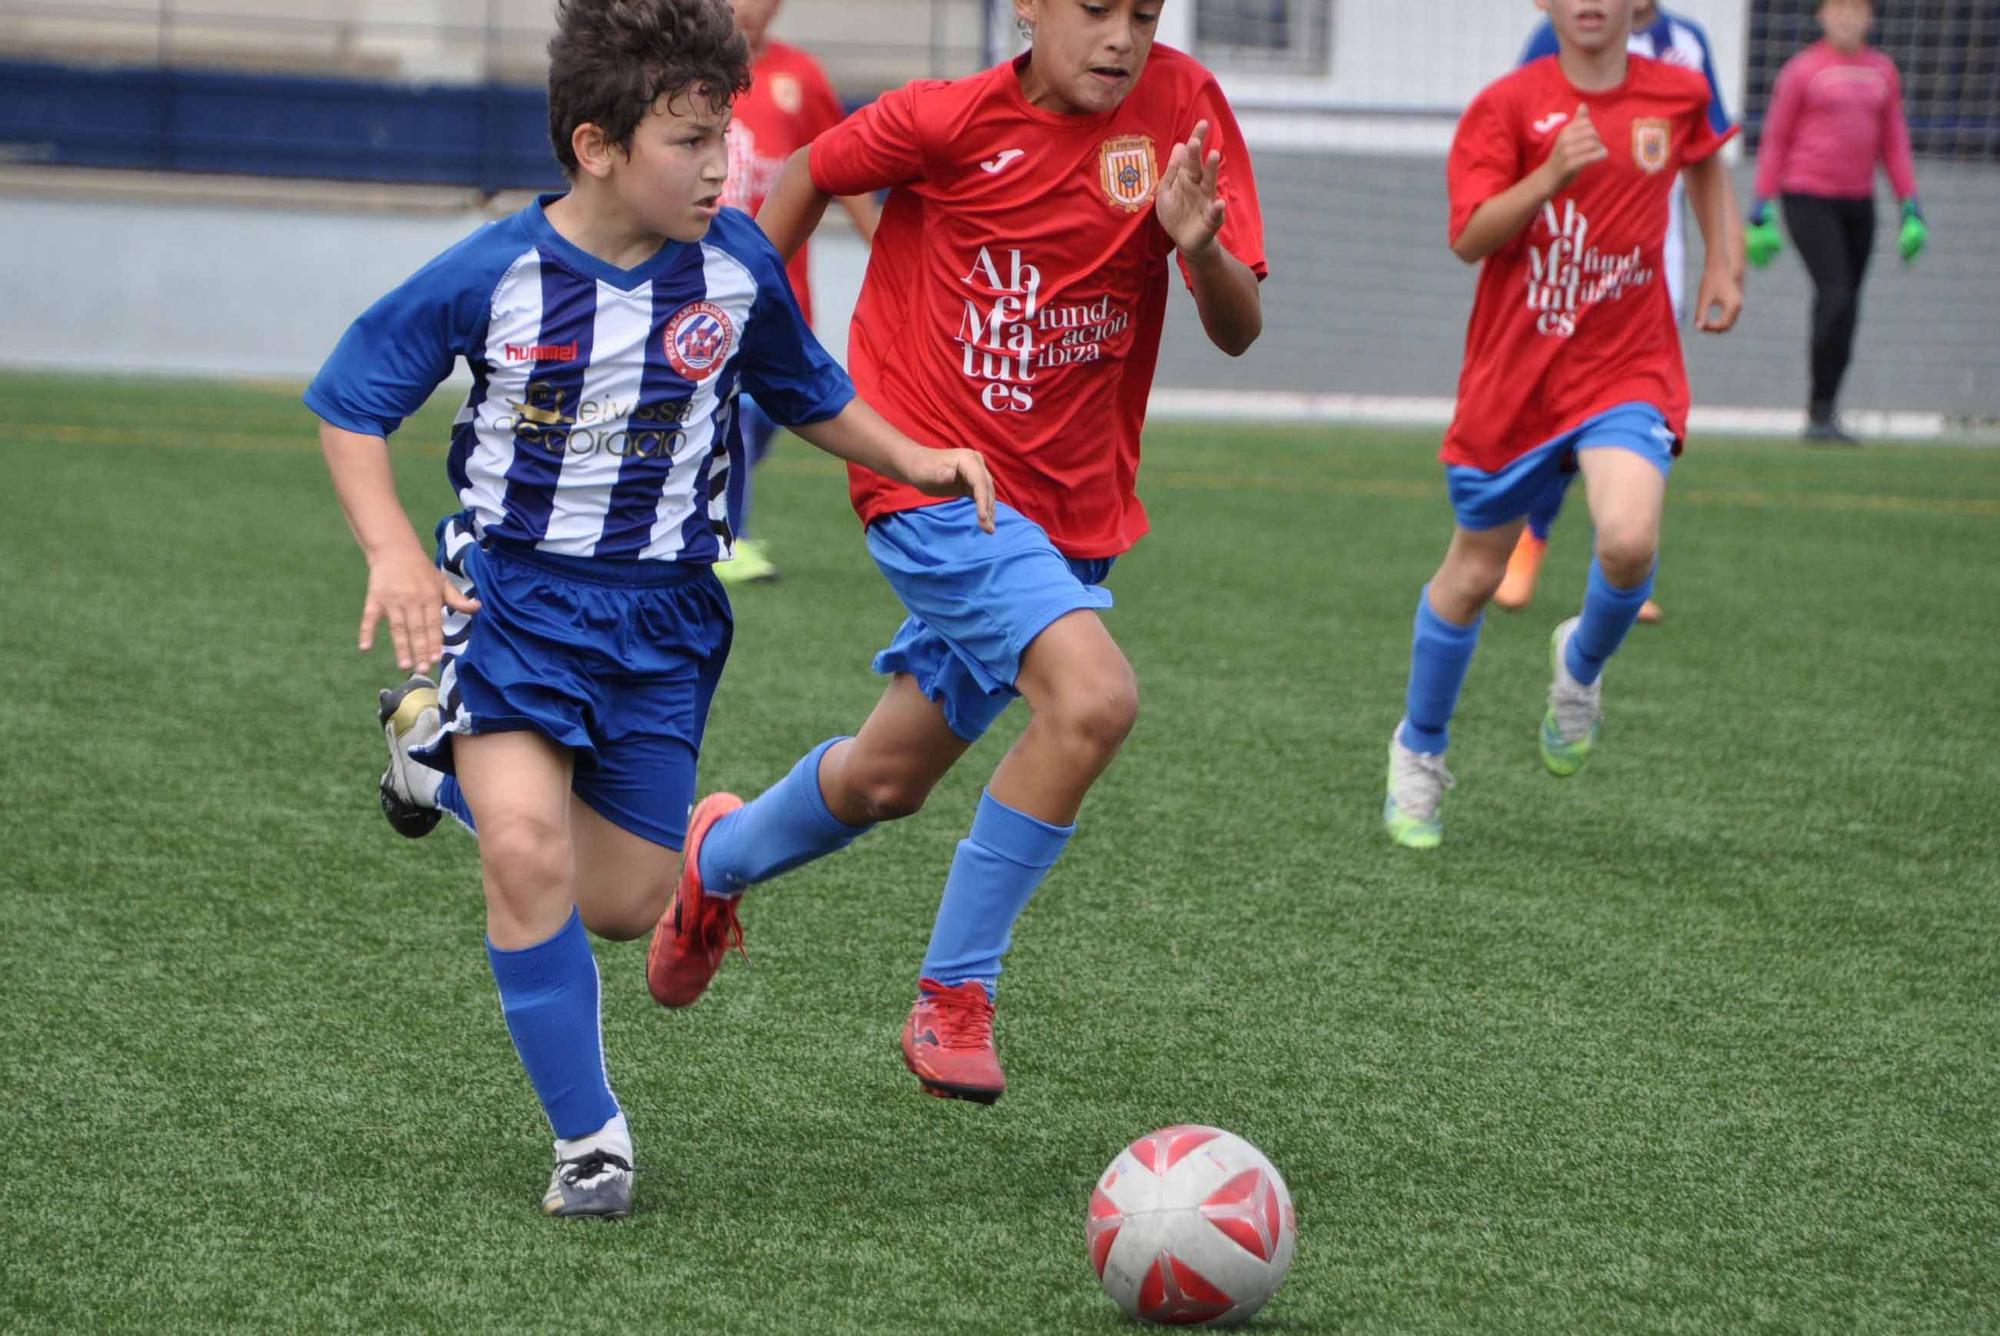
{"x":1440,"y":654}
{"x":788,"y":824}
{"x":1608,"y":613}
{"x":451,"y":801}
{"x":548,"y":992}
{"x":993,"y":876}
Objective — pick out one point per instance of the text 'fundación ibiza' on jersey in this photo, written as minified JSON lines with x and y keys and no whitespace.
{"x":1567,"y":275}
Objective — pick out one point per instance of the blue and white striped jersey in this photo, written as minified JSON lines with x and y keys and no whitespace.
{"x":602,"y":416}
{"x":1677,"y":41}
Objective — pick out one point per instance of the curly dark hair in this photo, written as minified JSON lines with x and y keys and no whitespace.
{"x":611,"y":60}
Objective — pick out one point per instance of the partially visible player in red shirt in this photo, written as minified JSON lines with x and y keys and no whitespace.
{"x":1559,"y":179}
{"x":791,"y":102}
{"x":1014,"y":301}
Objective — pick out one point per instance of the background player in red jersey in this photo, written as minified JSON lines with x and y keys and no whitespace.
{"x":1559,"y":178}
{"x":1014,"y":299}
{"x":790,"y":103}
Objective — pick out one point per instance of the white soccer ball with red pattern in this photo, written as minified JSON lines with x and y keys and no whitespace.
{"x":1191,"y":1226}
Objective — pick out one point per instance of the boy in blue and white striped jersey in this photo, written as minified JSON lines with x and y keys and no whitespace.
{"x":609,"y":331}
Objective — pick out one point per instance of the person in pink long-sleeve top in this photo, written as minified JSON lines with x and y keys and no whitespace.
{"x":1836,"y":113}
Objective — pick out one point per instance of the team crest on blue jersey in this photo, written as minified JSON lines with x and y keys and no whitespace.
{"x":1650,"y":142}
{"x":1129,"y":171}
{"x":698,"y":339}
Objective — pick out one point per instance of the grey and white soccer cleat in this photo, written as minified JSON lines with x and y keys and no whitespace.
{"x":1417,"y":784}
{"x":1569,"y":729}
{"x":410,"y":718}
{"x":597,"y":1184}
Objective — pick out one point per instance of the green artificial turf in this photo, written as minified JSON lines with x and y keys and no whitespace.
{"x":1706,"y":1039}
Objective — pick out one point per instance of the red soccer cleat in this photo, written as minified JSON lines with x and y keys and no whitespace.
{"x":948,"y":1042}
{"x":698,"y":929}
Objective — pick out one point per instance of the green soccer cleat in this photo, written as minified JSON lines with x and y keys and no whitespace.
{"x":1417,"y":784}
{"x":1576,"y":711}
{"x":751,"y":564}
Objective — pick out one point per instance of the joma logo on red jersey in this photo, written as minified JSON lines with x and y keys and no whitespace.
{"x":542,"y":352}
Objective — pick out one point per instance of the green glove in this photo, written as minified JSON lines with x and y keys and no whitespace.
{"x":1761,"y":238}
{"x":1916,"y":232}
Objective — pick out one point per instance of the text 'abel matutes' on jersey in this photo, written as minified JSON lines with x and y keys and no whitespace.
{"x":602,"y":416}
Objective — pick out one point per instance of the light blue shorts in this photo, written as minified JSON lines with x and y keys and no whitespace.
{"x":1535,"y":483}
{"x":976,"y":601}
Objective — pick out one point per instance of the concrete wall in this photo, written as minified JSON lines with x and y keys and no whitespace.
{"x":1365,"y":297}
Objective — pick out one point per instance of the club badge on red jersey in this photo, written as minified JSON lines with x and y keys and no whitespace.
{"x":1130,"y":170}
{"x":785,"y":91}
{"x":697,"y":339}
{"x":1651,"y":141}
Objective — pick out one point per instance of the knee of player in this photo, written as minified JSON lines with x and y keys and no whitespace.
{"x":888,"y":797}
{"x":632,"y":916}
{"x":525,"y":858}
{"x":1100,"y":711}
{"x":1626,"y":554}
{"x":1468,"y":583}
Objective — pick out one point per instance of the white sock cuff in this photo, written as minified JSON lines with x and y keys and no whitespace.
{"x":614,"y":1138}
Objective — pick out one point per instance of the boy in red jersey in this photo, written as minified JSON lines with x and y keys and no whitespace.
{"x":790,"y":103}
{"x":1559,"y":179}
{"x":1014,"y":300}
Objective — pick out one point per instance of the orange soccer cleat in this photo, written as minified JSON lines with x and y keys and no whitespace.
{"x":1651,"y":613}
{"x":1517,"y":589}
{"x":948,"y":1042}
{"x":698,"y":928}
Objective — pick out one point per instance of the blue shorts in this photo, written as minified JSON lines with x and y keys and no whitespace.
{"x":615,"y":660}
{"x":1535,"y":483}
{"x":976,"y":601}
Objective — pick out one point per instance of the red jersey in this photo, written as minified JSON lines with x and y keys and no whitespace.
{"x":1573,"y":316}
{"x":790,"y":104}
{"x":1018,"y":283}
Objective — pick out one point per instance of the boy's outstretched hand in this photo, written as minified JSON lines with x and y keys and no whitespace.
{"x":956,"y":473}
{"x":407,"y":588}
{"x":1186,"y":200}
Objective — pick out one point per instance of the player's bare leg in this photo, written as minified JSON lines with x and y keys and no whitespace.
{"x":1627,"y":495}
{"x":1447,"y":630}
{"x":887,"y":770}
{"x":1084,"y":699}
{"x":623,"y":881}
{"x":518,"y":788}
{"x":1473,"y":567}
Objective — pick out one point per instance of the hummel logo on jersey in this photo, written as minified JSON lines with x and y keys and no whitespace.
{"x":1550,"y":122}
{"x":1001,"y":163}
{"x":542,"y":352}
